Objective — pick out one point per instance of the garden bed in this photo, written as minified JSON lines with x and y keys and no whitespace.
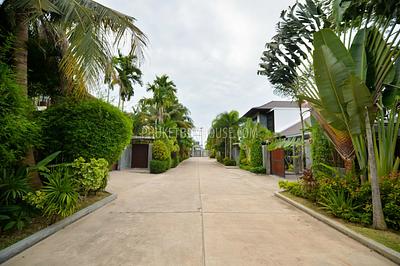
{"x":40,"y":222}
{"x":389,"y":238}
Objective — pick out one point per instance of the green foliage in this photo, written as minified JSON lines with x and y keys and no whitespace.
{"x":91,"y":175}
{"x":256,"y":157}
{"x":18,"y":131}
{"x":229,"y":162}
{"x":157,"y":167}
{"x":160,"y":151}
{"x":338,"y":204}
{"x":88,"y":128}
{"x":60,"y":195}
{"x":321,"y":149}
{"x":390,"y":191}
{"x":258,"y":170}
{"x":14,"y":185}
{"x":242,"y":157}
{"x":174,"y":162}
{"x":294,"y":188}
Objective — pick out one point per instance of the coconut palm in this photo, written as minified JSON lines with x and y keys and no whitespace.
{"x":84,"y":30}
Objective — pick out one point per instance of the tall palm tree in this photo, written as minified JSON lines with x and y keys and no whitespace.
{"x":164,"y":94}
{"x":81,"y":28}
{"x":228,"y":124}
{"x":124,"y":72}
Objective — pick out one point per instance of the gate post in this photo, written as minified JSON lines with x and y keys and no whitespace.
{"x":266,"y":159}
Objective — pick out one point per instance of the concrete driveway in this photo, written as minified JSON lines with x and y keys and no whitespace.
{"x":197,"y":214}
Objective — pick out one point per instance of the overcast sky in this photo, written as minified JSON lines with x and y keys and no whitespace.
{"x":210,"y":49}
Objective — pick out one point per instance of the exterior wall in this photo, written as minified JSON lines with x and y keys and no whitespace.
{"x":125,"y":160}
{"x":285,"y":117}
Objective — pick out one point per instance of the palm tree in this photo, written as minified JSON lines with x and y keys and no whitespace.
{"x":81,"y":28}
{"x":164,"y":91}
{"x":124,"y":72}
{"x":227,"y":123}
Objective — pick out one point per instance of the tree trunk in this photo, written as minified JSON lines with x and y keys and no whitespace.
{"x":348,"y":165}
{"x":21,"y":52}
{"x":303,"y":146}
{"x":21,"y":72}
{"x":378,"y":218}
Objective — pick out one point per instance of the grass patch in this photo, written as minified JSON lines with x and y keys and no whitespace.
{"x":38,"y":223}
{"x":389,"y":238}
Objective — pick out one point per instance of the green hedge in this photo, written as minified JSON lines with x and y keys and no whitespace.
{"x":160,"y":151}
{"x":229,"y":162}
{"x":174,"y":162}
{"x":88,"y":128}
{"x":256,"y":157}
{"x":157,"y":167}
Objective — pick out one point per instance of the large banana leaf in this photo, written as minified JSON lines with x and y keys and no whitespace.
{"x":356,"y":98}
{"x":359,"y":54}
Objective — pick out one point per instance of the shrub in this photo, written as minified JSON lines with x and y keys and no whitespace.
{"x":157,"y":167}
{"x":256,"y":157}
{"x":242,"y":157}
{"x":160,"y":151}
{"x":219,"y":159}
{"x":90,"y":176}
{"x":390,"y":190}
{"x":212,"y":154}
{"x":258,"y":170}
{"x":88,"y":128}
{"x":294,"y":188}
{"x":229,"y":162}
{"x":174,"y":162}
{"x":18,"y":131}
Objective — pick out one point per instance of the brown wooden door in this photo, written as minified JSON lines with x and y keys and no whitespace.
{"x":278,"y":162}
{"x":140,"y":155}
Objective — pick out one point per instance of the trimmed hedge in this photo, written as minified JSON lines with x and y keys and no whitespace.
{"x":229,"y":162}
{"x":157,"y":166}
{"x":256,"y":157}
{"x":174,"y":162}
{"x":160,"y":151}
{"x":89,"y":128}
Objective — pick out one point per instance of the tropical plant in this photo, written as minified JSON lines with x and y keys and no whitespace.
{"x":164,"y":91}
{"x":338,"y":204}
{"x":82,"y":30}
{"x":353,"y":63}
{"x":61,"y":198}
{"x":124,"y":72}
{"x":224,"y":132}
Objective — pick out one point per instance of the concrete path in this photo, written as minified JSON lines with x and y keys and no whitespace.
{"x":197,"y":214}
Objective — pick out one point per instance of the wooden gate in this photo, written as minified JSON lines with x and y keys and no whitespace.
{"x":140,"y":155}
{"x":278,"y":162}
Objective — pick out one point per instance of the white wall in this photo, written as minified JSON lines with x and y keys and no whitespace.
{"x":286,"y":117}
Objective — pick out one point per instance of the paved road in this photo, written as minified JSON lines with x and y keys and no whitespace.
{"x":197,"y":214}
